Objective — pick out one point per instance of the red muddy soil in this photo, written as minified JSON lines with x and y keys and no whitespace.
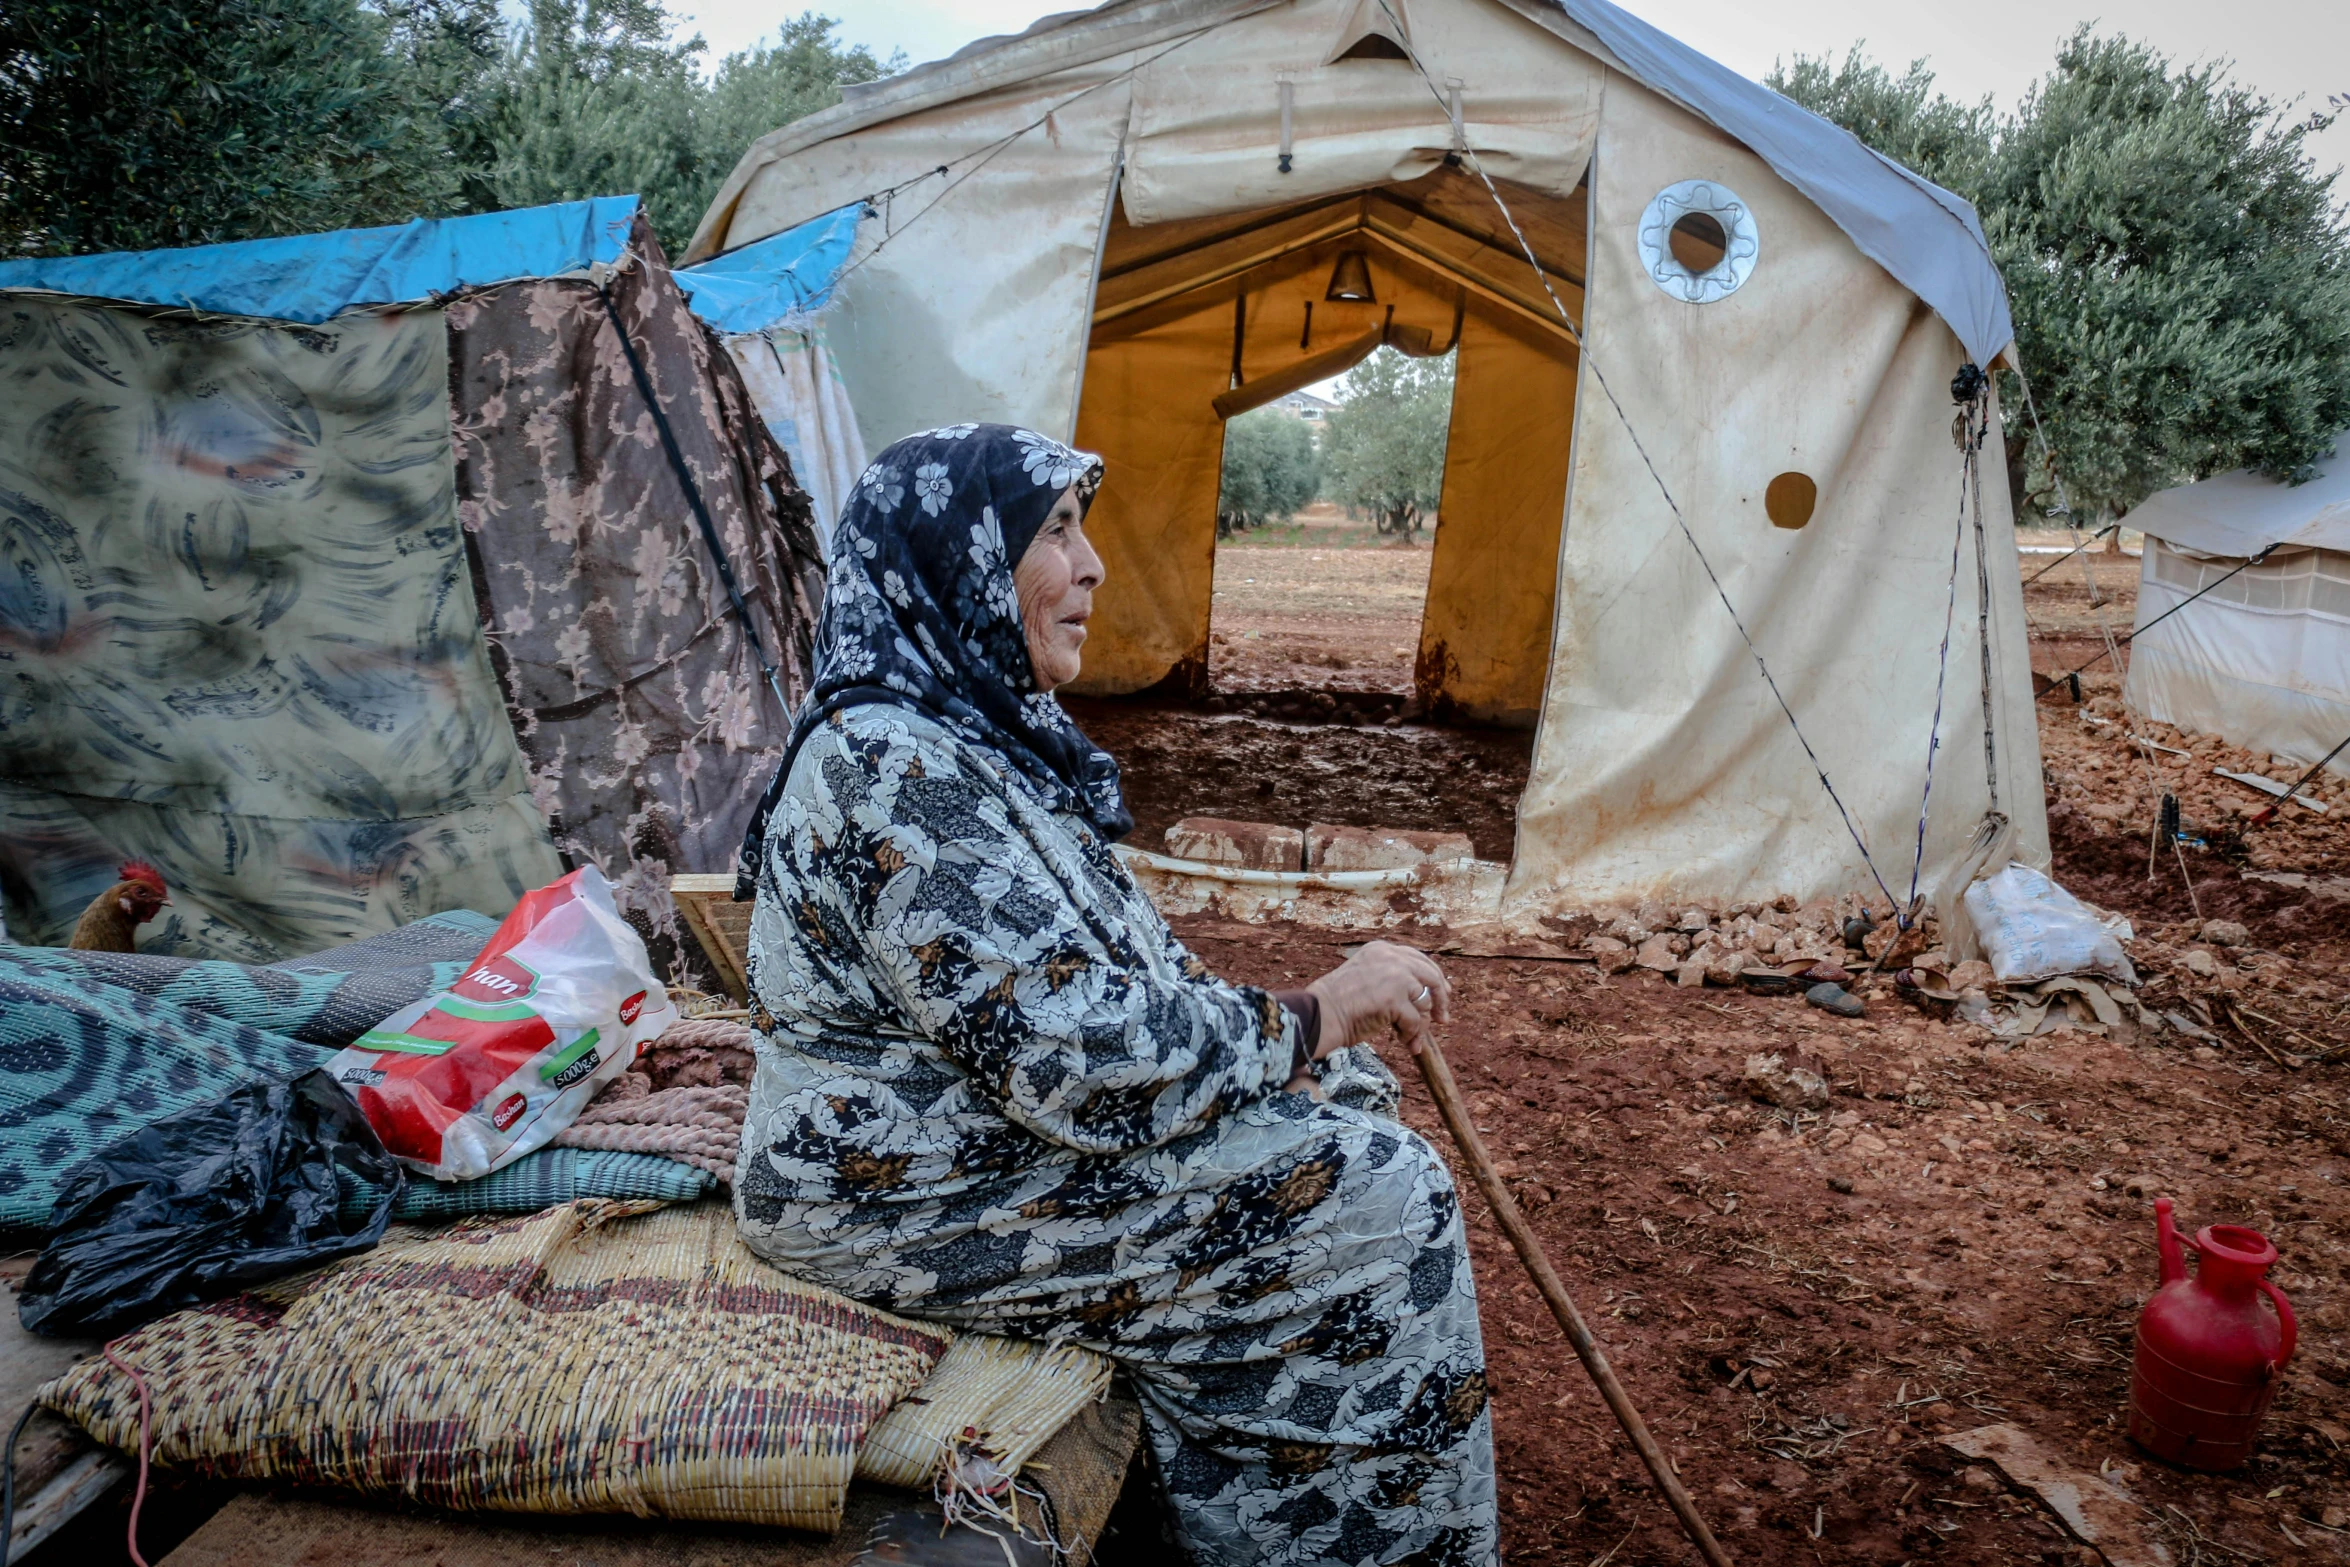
{"x":1799,"y":1346}
{"x":1801,"y":1303}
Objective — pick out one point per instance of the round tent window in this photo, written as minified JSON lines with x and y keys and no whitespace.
{"x":1698,"y":241}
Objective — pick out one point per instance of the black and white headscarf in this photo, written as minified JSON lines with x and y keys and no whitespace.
{"x":920,"y":612}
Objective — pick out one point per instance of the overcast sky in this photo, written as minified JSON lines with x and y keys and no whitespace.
{"x":2287,"y":48}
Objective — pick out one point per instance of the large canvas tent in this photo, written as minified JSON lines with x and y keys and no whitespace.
{"x":351,"y":577}
{"x":2261,"y":657}
{"x":1128,"y":224}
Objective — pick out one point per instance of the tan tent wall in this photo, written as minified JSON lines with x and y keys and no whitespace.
{"x":1492,"y":586}
{"x":1149,"y":410}
{"x":1663,"y":765}
{"x":966,"y":299}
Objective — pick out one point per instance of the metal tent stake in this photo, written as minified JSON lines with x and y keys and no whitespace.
{"x":1447,"y":1094}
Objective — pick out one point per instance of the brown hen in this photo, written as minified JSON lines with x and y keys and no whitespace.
{"x":108,"y":924}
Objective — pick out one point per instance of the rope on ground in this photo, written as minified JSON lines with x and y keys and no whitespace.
{"x":1575,"y":331}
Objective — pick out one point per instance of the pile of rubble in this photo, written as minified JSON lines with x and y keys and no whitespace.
{"x":2189,"y":983}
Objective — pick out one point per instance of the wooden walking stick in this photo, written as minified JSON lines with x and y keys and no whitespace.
{"x":1447,"y":1094}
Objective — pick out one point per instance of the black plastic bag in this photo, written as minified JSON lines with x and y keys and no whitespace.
{"x":206,"y":1202}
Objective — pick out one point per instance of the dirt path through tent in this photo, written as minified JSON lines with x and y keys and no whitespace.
{"x":1804,"y":1301}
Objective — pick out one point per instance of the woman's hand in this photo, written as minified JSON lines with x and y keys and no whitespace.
{"x":1382,"y":984}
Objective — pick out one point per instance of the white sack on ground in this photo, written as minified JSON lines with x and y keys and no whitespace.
{"x":2032,"y":929}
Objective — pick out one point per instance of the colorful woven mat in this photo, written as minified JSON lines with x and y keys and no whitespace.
{"x":594,"y":1358}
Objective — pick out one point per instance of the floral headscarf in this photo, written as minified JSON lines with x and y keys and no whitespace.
{"x":919,"y":611}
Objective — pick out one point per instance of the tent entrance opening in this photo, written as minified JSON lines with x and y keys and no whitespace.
{"x":1324,"y":534}
{"x":1202,"y":321}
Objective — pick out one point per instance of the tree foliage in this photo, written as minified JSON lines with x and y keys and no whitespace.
{"x":137,"y":124}
{"x":593,"y":98}
{"x":1271,"y":471}
{"x":2179,"y":268}
{"x":133,"y":124}
{"x":1383,"y":450}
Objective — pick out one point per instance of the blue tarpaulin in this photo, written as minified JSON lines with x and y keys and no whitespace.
{"x":785,"y":274}
{"x":312,"y":277}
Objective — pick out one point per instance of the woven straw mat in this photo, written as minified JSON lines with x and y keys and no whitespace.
{"x":601,"y":1356}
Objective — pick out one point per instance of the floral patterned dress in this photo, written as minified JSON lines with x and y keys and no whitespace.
{"x":994,"y":1090}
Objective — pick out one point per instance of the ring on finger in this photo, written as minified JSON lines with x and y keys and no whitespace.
{"x":1421,"y":999}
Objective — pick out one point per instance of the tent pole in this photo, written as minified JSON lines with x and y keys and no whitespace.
{"x":1447,"y":1094}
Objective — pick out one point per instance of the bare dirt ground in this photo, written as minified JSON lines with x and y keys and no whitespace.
{"x":1804,"y":1302}
{"x":1322,"y":603}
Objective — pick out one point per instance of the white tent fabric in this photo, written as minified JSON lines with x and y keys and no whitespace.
{"x":2242,"y":513}
{"x":1663,"y":764}
{"x":2263,"y":658}
{"x":1926,"y":237}
{"x":792,"y":377}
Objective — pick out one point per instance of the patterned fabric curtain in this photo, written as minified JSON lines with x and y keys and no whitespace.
{"x":237,"y":636}
{"x":631,"y":689}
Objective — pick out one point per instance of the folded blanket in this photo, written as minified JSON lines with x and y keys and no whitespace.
{"x":95,"y":1045}
{"x":545,"y":1179}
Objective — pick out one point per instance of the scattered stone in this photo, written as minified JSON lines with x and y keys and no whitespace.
{"x":1857,"y":929}
{"x":2226,"y":933}
{"x":1572,"y":928}
{"x":1256,"y":846}
{"x":1690,"y":974}
{"x":1329,"y":848}
{"x":1827,"y":974}
{"x":2204,"y":1053}
{"x":1973,"y":974}
{"x":1770,"y":1079}
{"x":2144,"y":1187}
{"x":1694,"y":921}
{"x":1612,"y":956}
{"x":1841,"y":1184}
{"x":2201,"y":964}
{"x":1723,"y":968}
{"x":1657,"y":953}
{"x":2092,"y":1508}
{"x":1835,"y":999}
{"x":1869,"y":1143}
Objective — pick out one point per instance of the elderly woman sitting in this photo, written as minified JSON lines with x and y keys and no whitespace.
{"x":994,"y":1090}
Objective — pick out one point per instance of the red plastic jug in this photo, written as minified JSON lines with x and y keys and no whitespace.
{"x":2208,"y":1356}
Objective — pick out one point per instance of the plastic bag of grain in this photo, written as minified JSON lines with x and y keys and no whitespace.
{"x":2032,"y":929}
{"x":555,"y":1007}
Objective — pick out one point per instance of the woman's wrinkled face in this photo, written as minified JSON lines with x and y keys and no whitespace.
{"x":1055,"y":582}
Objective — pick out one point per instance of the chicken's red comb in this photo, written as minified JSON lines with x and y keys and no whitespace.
{"x":140,"y":870}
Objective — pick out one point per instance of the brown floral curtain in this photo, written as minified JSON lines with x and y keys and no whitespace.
{"x":636,"y":696}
